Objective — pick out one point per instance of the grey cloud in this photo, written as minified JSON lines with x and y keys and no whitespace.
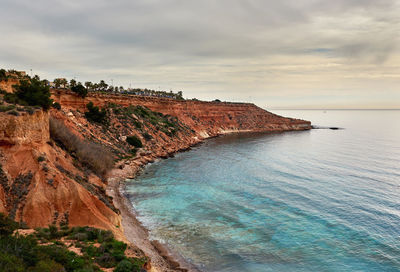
{"x":165,"y":40}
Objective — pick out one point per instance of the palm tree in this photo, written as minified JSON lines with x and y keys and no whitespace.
{"x":72,"y":83}
{"x":88,"y":85}
{"x":64,"y":82}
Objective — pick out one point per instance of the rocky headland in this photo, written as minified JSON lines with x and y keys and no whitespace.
{"x":43,"y":182}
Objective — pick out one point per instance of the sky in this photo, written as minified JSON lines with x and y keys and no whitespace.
{"x":276,"y":54}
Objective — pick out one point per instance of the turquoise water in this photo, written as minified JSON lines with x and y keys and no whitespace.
{"x":320,"y":200}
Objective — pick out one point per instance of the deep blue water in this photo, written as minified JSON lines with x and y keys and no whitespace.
{"x":320,"y":200}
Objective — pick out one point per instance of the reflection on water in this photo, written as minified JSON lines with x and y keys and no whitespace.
{"x":322,"y":200}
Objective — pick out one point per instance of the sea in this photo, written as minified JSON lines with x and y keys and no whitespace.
{"x":318,"y":200}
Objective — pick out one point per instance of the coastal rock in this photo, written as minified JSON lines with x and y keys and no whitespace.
{"x":52,"y":189}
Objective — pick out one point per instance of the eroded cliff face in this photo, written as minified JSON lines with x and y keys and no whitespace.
{"x":7,"y":85}
{"x":41,"y":183}
{"x":205,"y":118}
{"x":24,"y":128}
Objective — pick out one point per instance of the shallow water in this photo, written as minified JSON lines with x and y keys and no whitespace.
{"x":320,"y":200}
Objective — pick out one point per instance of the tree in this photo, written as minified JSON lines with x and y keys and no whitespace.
{"x":88,"y":85}
{"x":57,"y":82}
{"x":80,"y":90}
{"x":95,"y":114}
{"x":34,"y":93}
{"x":103,"y":85}
{"x":64,"y":82}
{"x":3,"y":75}
{"x":95,"y":86}
{"x":72,"y":83}
{"x":179,"y":95}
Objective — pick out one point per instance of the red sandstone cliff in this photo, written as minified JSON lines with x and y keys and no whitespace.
{"x":41,"y":183}
{"x":38,"y":179}
{"x":206,"y":118}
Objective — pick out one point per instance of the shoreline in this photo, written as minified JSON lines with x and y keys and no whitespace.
{"x":161,"y":257}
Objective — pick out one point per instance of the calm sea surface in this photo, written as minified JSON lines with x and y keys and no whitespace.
{"x":320,"y":200}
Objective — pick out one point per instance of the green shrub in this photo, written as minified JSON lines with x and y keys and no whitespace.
{"x":134,"y":141}
{"x":56,"y":105}
{"x":106,"y":260}
{"x":13,"y":99}
{"x":4,"y":108}
{"x":70,"y":260}
{"x":147,"y":136}
{"x":48,"y":266}
{"x":23,"y":253}
{"x":41,"y":158}
{"x":137,"y":124}
{"x":80,"y":90}
{"x":11,"y":263}
{"x":7,"y":226}
{"x":34,"y":93}
{"x":96,"y":115}
{"x":124,"y":266}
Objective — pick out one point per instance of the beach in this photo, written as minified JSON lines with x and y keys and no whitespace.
{"x":162,"y":259}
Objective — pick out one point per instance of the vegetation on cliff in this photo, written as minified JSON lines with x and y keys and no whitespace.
{"x":134,"y":140}
{"x":30,"y":92}
{"x":95,"y":114}
{"x":90,"y":155}
{"x":83,"y":249}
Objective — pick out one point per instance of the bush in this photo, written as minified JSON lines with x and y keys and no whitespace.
{"x":7,"y":226}
{"x":23,"y":253}
{"x":91,"y":155}
{"x":124,"y":266}
{"x":4,"y":108}
{"x":147,"y":136}
{"x":41,"y":158}
{"x":70,"y":260}
{"x":80,"y":90}
{"x":11,"y":263}
{"x":12,"y":99}
{"x":134,"y":141}
{"x":95,"y":114}
{"x":48,"y":266}
{"x":34,"y":93}
{"x":56,"y":105}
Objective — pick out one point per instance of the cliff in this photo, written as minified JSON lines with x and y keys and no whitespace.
{"x":7,"y":85}
{"x":43,"y":183}
{"x":206,"y":118}
{"x":39,"y":181}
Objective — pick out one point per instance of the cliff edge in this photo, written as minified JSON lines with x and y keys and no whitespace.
{"x":43,"y":182}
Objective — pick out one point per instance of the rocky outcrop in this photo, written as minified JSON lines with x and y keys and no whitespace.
{"x":7,"y":85}
{"x":41,"y":183}
{"x":25,"y":128}
{"x":206,"y":118}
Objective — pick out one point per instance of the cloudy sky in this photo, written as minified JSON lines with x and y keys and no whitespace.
{"x":277,"y":54}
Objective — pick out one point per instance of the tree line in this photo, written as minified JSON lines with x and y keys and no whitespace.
{"x":88,"y":86}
